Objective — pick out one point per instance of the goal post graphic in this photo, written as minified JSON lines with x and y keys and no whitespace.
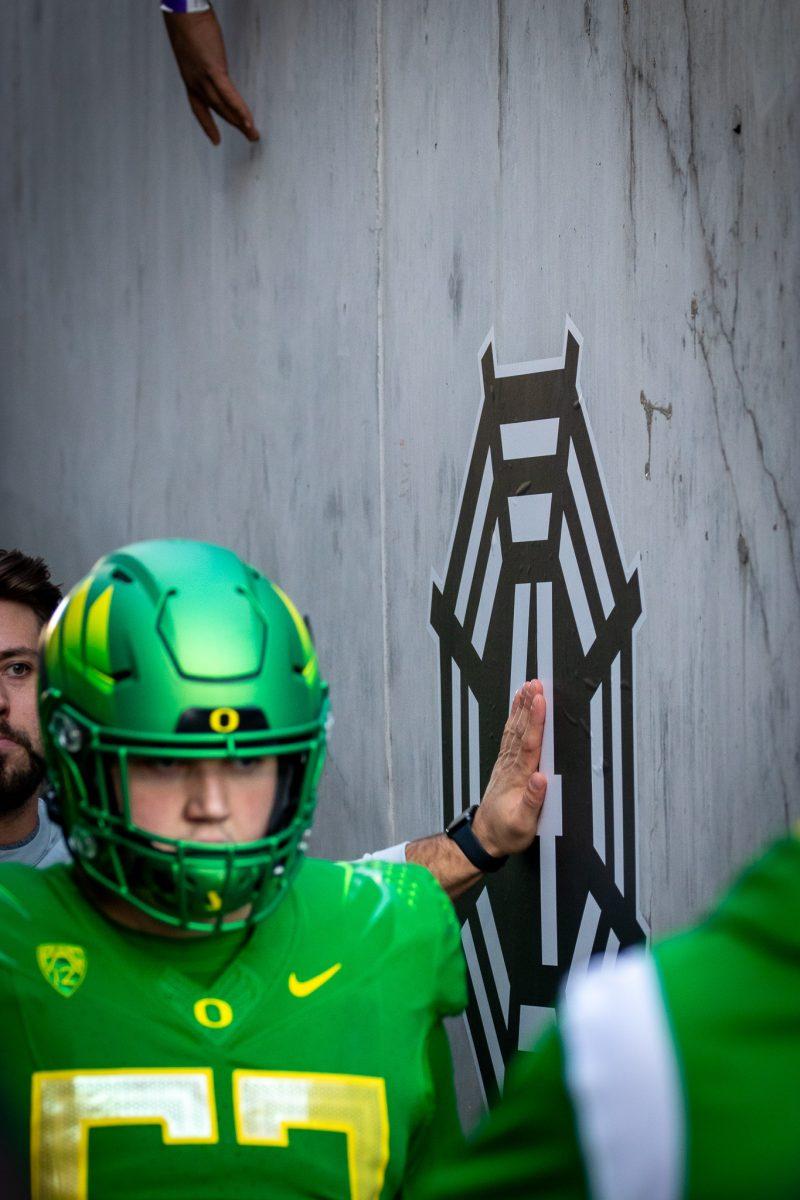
{"x":535,"y":586}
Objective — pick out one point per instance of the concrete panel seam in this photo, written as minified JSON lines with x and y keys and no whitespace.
{"x":381,"y":397}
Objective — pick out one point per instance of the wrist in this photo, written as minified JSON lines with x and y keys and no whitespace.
{"x":185,"y":6}
{"x":481,"y":826}
{"x":461,"y":830}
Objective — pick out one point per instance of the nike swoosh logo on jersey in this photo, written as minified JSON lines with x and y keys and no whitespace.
{"x":305,"y":987}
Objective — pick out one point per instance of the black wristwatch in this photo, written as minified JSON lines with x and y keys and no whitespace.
{"x":460,"y":830}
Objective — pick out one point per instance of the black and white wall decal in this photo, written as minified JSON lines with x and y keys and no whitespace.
{"x":535,"y":586}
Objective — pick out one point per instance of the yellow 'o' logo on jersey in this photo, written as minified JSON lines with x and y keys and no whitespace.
{"x":224,"y":720}
{"x":212,"y":1013}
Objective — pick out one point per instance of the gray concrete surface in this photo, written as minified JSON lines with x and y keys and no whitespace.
{"x":277,"y":347}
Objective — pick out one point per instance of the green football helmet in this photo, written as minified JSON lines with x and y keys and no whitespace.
{"x":176,"y":649}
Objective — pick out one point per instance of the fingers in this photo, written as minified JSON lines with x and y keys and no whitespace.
{"x":533,"y":687}
{"x":514,"y":722}
{"x":232,"y":108}
{"x":517,"y":719}
{"x":508,"y":816}
{"x":534,"y":733}
{"x":205,"y":119}
{"x":528,"y":730}
{"x":523,"y":733}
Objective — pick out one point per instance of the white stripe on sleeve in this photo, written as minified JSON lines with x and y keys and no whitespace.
{"x":624,"y":1081}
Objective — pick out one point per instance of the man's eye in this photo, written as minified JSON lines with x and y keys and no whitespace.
{"x":19,"y":670}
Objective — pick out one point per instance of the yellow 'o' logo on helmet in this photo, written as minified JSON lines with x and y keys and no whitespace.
{"x":224,"y":720}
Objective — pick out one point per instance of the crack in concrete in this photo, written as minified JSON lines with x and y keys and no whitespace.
{"x":678,"y":172}
{"x":702,"y":342}
{"x":502,"y":75}
{"x":636,"y":74}
{"x":629,"y":98}
{"x":689,"y":176}
{"x":590,"y":26}
{"x":727,"y":331}
{"x":650,"y":409}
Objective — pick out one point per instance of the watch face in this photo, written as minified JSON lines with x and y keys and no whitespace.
{"x":463,"y":818}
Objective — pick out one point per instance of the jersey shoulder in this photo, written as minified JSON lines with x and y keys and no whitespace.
{"x":31,"y":890}
{"x":35,"y":905}
{"x":403,"y":896}
{"x":750,"y":939}
{"x":395,"y":913}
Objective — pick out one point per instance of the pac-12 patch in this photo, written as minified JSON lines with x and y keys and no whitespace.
{"x":64,"y":967}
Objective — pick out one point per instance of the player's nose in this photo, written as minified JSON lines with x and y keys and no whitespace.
{"x":208,"y":793}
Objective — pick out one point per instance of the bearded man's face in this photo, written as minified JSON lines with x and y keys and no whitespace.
{"x":22,"y":766}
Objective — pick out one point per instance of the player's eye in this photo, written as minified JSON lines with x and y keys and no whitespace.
{"x":247,"y":766}
{"x":158,"y":766}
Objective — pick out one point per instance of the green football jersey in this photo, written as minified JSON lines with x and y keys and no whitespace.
{"x":305,"y":1057}
{"x":673,"y":1076}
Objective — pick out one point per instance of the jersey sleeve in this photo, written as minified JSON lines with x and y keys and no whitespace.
{"x":527,"y":1147}
{"x":451,"y":976}
{"x":425,"y":934}
{"x":441,"y":1133}
{"x":436,"y":926}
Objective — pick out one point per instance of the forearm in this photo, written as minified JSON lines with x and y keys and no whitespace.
{"x":445,"y":861}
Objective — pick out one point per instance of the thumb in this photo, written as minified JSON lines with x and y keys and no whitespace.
{"x":536,"y":790}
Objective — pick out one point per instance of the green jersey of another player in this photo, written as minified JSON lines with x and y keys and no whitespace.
{"x":192,"y":1009}
{"x":672,"y":1075}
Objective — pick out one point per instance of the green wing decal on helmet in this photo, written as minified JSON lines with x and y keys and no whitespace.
{"x":177,"y":649}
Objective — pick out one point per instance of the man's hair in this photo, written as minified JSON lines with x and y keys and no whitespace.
{"x":27,"y":581}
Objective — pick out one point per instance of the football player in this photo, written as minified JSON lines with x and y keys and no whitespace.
{"x":669,"y":1076}
{"x":194,"y":1009}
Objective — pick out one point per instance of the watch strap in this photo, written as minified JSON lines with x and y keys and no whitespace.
{"x":461,"y":832}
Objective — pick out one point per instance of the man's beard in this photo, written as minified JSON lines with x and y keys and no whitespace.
{"x":18,"y":784}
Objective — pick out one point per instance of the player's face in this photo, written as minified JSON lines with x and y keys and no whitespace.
{"x":203,"y":800}
{"x":21,"y":762}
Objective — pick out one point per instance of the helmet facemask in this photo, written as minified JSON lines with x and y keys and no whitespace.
{"x":179,"y":650}
{"x":189,"y":885}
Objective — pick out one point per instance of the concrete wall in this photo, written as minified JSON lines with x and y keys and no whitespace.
{"x":277,"y":347}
